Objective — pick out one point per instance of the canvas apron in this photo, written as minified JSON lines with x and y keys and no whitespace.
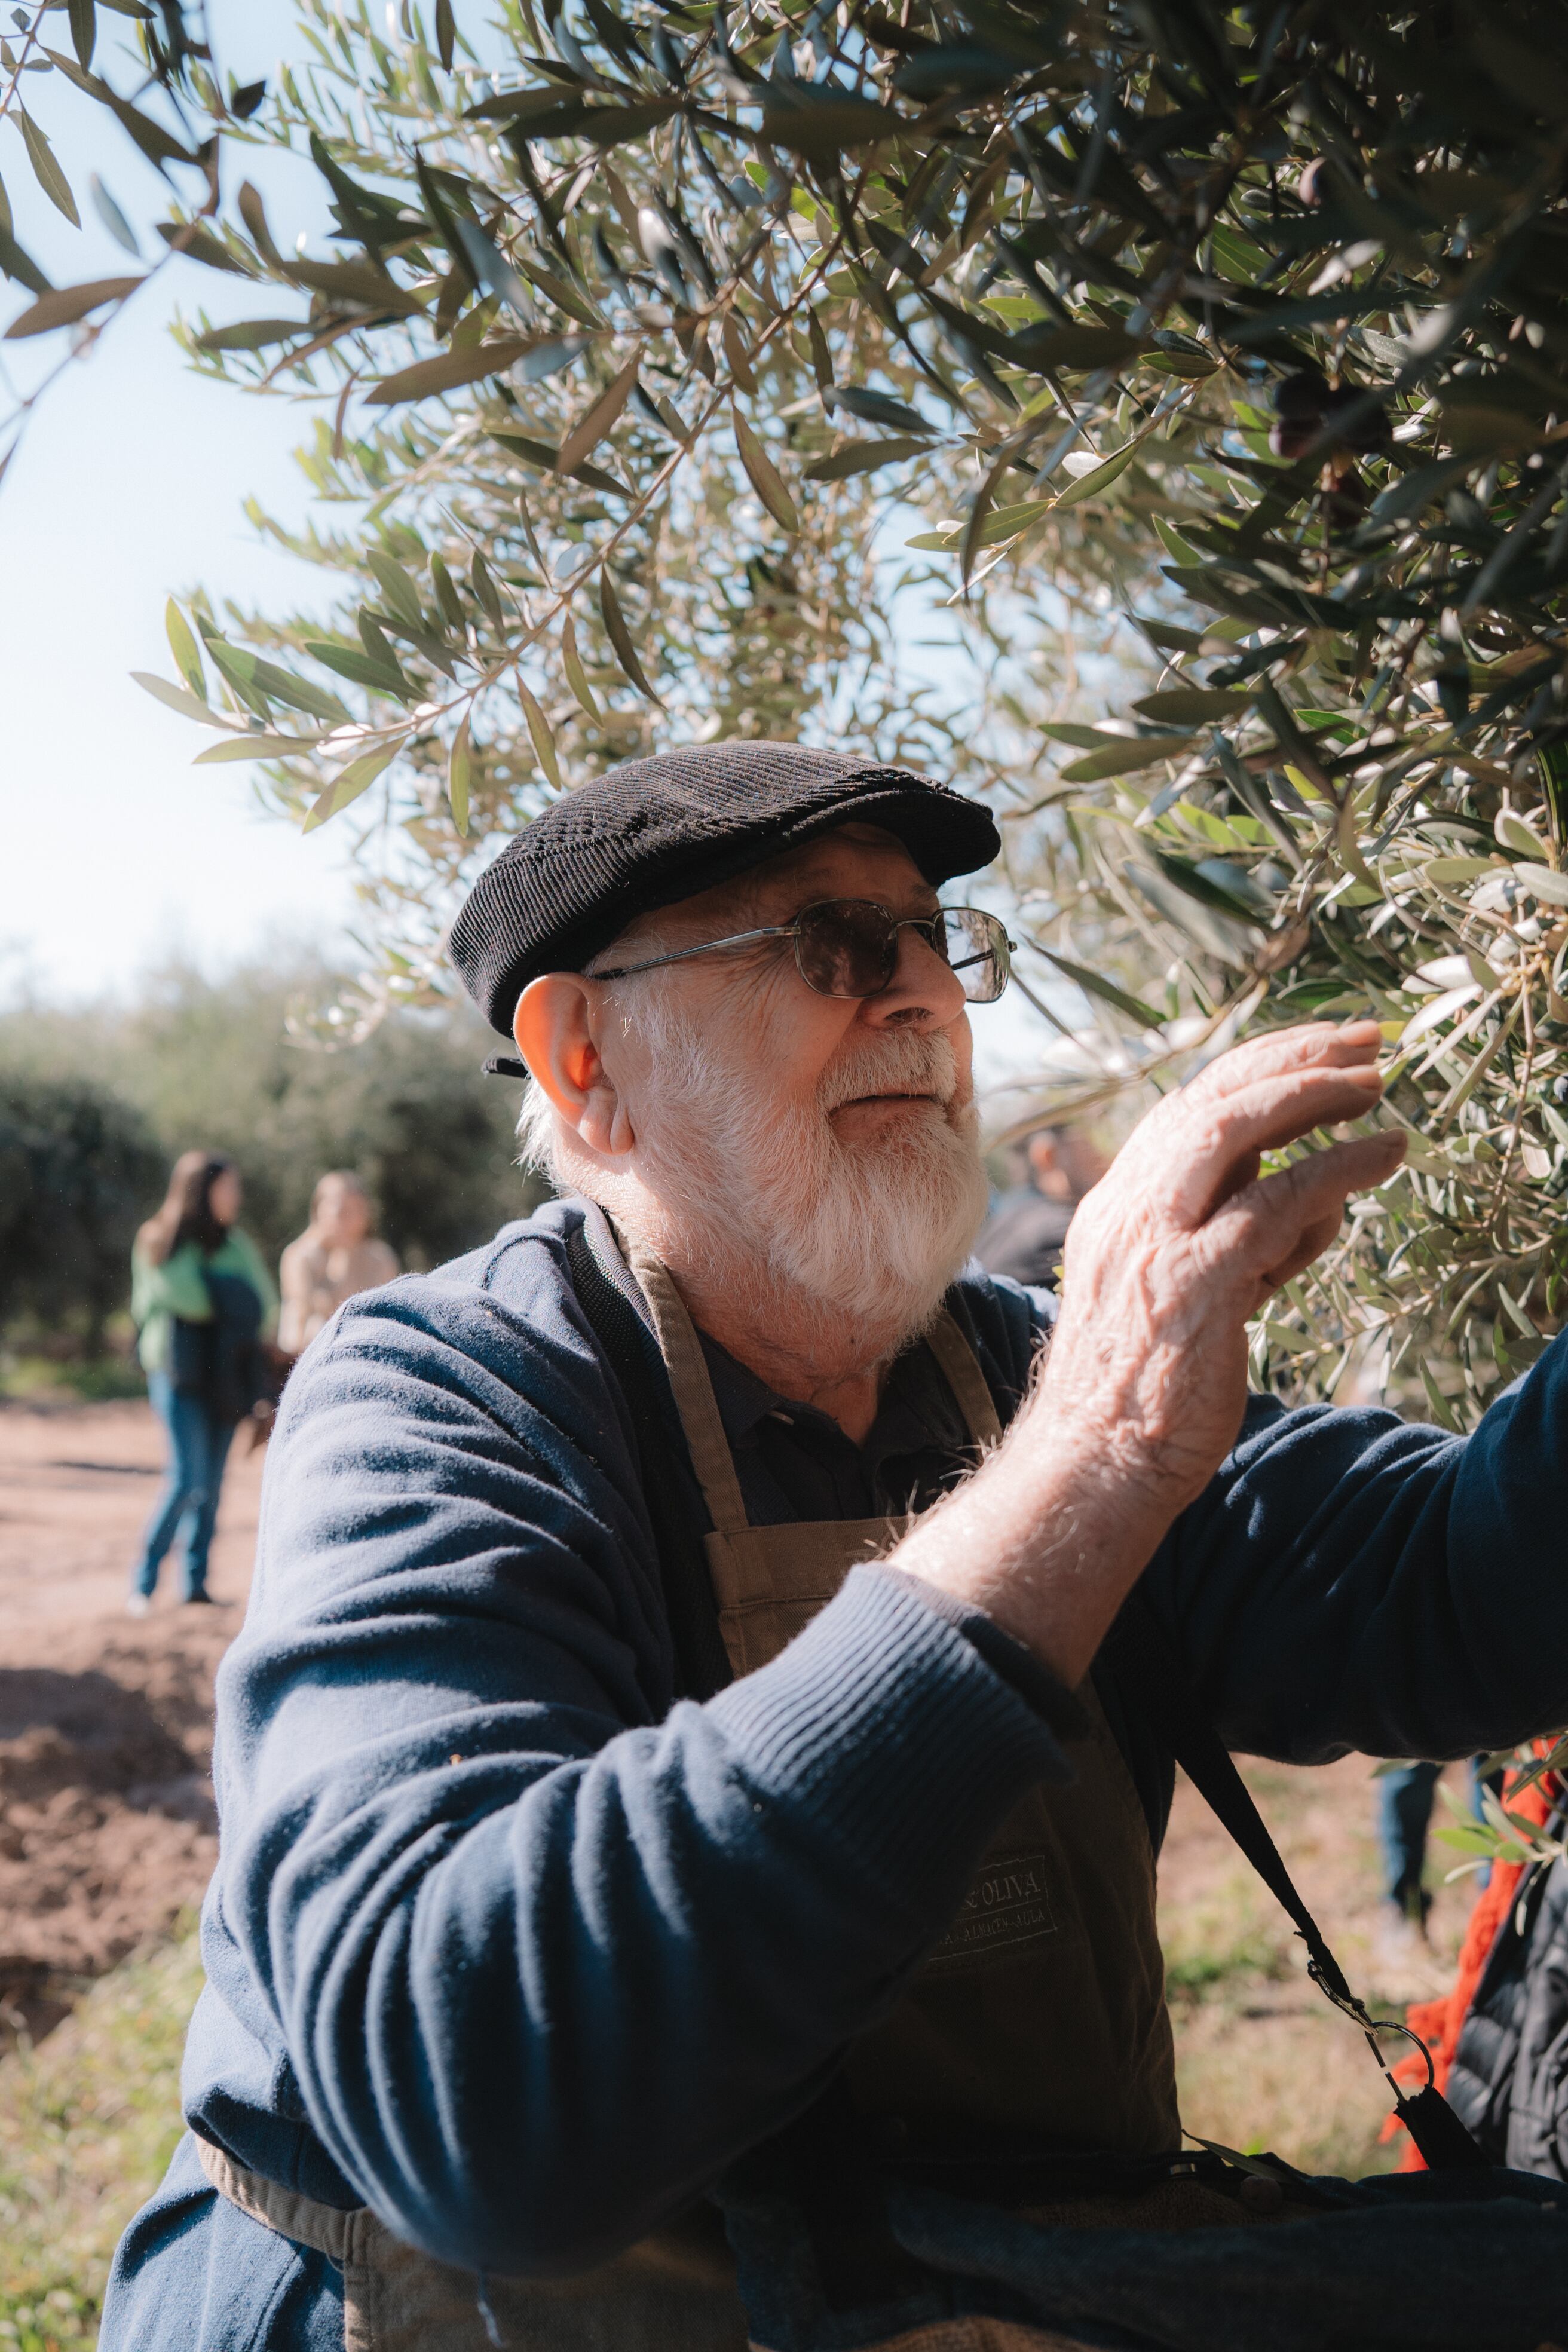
{"x":1037,"y":2021}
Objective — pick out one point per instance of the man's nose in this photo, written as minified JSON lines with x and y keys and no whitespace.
{"x":925,"y":992}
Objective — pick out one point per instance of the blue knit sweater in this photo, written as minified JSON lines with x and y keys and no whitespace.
{"x":508,"y":1947}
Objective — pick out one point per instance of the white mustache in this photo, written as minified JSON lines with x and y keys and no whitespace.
{"x":900,"y":1062}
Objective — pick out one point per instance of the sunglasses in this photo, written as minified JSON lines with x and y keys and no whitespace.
{"x":849,"y":946}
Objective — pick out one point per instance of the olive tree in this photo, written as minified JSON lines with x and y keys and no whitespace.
{"x":652,"y":337}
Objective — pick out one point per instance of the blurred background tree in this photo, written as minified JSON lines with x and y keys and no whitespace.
{"x":78,"y":1169}
{"x":193,"y":1059}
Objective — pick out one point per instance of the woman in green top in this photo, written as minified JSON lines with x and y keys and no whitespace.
{"x":200,"y":1296}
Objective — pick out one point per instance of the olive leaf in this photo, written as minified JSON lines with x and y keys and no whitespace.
{"x":460,"y":776}
{"x":620,"y":638}
{"x":68,"y":304}
{"x":449,"y":371}
{"x":254,"y":676}
{"x":1124,"y":755}
{"x":1191,"y":704}
{"x":737,"y":353}
{"x":586,"y":435}
{"x":110,"y":213}
{"x":254,"y":747}
{"x":83,"y":21}
{"x":763,"y":475}
{"x":349,"y":783}
{"x":482,"y":581}
{"x":187,"y":651}
{"x":542,"y":739}
{"x":46,"y":170}
{"x":249,"y":334}
{"x":189,"y":706}
{"x":571,"y":663}
{"x":398,"y":586}
{"x":862,"y":457}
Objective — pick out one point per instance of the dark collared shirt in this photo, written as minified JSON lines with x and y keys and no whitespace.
{"x":795,"y":1462}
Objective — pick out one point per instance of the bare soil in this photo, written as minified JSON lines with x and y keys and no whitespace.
{"x":108,"y":1837}
{"x":1264,"y":2062}
{"x":107,"y":1828}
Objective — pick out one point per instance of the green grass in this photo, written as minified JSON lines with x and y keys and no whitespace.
{"x":1217,"y":1946}
{"x":107,"y":1380}
{"x":88,"y":2123}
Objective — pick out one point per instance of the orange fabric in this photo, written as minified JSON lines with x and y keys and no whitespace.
{"x":1440,"y":2021}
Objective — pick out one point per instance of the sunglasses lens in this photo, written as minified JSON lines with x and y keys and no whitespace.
{"x":977,"y":948}
{"x":847,"y":947}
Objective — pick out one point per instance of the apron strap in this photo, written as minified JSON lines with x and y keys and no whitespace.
{"x":698,"y":1407}
{"x":961,"y":1370}
{"x":702,"y":1664}
{"x":692,"y":1384}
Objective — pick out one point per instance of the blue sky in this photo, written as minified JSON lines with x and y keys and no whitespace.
{"x":130,"y":485}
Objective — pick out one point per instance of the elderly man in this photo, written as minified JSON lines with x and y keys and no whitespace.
{"x":679,"y":1763}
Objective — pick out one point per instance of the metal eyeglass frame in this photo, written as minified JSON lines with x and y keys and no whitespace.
{"x":926,"y":924}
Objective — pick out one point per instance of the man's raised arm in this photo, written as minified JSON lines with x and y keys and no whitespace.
{"x":1145,"y":1379}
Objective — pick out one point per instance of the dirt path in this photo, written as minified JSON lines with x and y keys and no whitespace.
{"x":107,"y":1831}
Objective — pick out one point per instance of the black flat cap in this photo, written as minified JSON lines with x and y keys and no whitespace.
{"x":643,"y":835}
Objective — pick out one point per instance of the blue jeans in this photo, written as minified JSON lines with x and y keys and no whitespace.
{"x":1403,"y":1813}
{"x":198,"y":1448}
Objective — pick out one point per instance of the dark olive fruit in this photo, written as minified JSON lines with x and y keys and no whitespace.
{"x":1365,"y":430}
{"x":1299,"y":401}
{"x":1302,"y":394}
{"x":1454,"y":693}
{"x":1293,"y":436}
{"x":1343,"y":499}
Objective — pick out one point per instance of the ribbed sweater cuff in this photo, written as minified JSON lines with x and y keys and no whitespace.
{"x":1012,"y":1660}
{"x":885,"y":1724}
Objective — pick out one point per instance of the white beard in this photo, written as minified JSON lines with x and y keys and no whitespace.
{"x":762,"y":1195}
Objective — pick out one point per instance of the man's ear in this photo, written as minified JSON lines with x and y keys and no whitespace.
{"x":557,"y":1027}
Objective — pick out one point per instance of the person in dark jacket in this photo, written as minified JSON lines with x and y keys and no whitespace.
{"x":1509,"y":2077}
{"x":201,"y":1298}
{"x":691,"y":1776}
{"x":1025,"y":1235}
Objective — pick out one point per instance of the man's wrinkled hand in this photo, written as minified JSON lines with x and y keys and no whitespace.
{"x":1183,"y":1239}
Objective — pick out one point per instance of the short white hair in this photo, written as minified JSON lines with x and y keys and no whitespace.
{"x":542,"y":1133}
{"x":538,"y":1131}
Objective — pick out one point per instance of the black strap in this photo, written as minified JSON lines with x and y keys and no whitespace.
{"x":1147,"y":1663}
{"x":503,"y":1066}
{"x":701,"y":1663}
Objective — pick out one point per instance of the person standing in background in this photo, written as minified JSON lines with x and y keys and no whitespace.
{"x":1024,"y":1235}
{"x":337,"y":1255}
{"x":200,"y":1298}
